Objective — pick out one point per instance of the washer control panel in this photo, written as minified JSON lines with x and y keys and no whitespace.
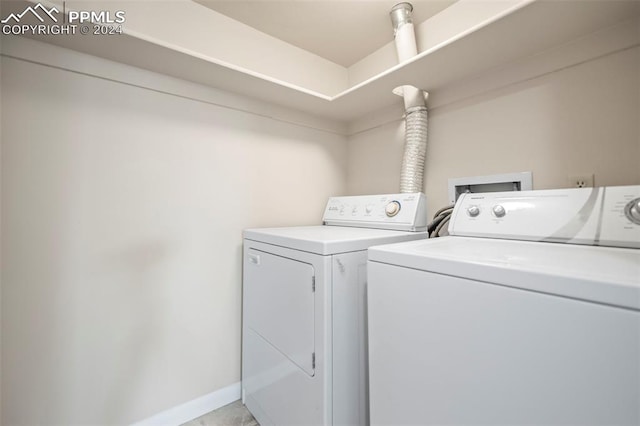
{"x":607,"y":216}
{"x":403,"y":212}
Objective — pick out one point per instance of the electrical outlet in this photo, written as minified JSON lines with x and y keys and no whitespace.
{"x":580,"y":181}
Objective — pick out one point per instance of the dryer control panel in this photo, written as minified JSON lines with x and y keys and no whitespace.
{"x":401,"y":212}
{"x":606,"y":216}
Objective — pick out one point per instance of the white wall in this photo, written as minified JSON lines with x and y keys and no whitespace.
{"x":582,"y":117}
{"x":122,"y":213}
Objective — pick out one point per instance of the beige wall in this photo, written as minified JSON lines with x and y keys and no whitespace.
{"x":122,"y":213}
{"x":584,"y":118}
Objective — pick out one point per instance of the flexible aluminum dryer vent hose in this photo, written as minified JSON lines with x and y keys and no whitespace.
{"x":415,"y":151}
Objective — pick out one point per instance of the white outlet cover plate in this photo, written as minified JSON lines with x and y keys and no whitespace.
{"x":587,"y":178}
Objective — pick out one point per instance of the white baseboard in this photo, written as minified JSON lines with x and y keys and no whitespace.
{"x":194,"y":408}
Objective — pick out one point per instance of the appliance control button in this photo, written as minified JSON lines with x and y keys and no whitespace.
{"x":473,"y":211}
{"x":392,"y":208}
{"x":369,"y":208}
{"x":632,"y":211}
{"x":499,"y":211}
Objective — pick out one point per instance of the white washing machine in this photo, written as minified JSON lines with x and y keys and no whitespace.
{"x":304,"y":346}
{"x":482,"y":327}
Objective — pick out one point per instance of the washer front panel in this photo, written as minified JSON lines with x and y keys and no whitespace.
{"x":447,"y":350}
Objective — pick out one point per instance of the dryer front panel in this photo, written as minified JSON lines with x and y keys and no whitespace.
{"x":279,"y":305}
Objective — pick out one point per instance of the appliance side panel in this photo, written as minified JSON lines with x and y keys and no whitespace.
{"x":350,"y":370}
{"x":446,"y":350}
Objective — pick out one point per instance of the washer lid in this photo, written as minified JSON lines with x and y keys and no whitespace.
{"x":599,"y":274}
{"x":326,"y":240}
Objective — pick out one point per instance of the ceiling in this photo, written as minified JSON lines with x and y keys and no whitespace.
{"x":342,"y":31}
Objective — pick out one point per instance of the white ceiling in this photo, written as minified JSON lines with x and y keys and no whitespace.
{"x":342,"y":31}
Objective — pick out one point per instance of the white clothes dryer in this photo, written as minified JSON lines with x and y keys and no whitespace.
{"x":304,"y":348}
{"x":483,"y":328}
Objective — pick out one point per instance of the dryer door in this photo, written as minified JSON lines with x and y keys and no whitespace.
{"x":279,"y":305}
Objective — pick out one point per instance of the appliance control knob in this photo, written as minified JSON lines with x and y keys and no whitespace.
{"x":499,"y":211}
{"x":632,"y":211}
{"x":473,"y":211}
{"x":392,"y":208}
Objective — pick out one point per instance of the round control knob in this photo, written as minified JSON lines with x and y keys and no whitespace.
{"x":473,"y":211}
{"x":499,"y":211}
{"x":392,"y":208}
{"x":632,"y":211}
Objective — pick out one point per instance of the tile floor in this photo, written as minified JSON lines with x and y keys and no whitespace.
{"x":234,"y":414}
